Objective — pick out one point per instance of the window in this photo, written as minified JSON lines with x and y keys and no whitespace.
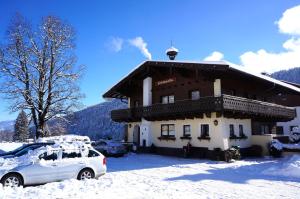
{"x":26,"y":150}
{"x":71,"y":155}
{"x":186,"y":130}
{"x":195,"y":95}
{"x":136,"y":103}
{"x":231,"y":130}
{"x":167,"y":99}
{"x":92,"y":153}
{"x":204,"y":130}
{"x":279,"y":130}
{"x":241,"y":130}
{"x":46,"y":156}
{"x":265,"y":129}
{"x":168,"y":130}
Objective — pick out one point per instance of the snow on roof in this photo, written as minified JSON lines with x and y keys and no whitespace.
{"x":66,"y":138}
{"x":264,"y":77}
{"x":172,"y":49}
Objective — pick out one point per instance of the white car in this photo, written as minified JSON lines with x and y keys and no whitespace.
{"x":50,"y":164}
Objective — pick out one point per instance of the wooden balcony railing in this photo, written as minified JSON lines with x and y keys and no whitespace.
{"x":225,"y":104}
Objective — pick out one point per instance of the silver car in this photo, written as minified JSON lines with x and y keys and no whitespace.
{"x":110,"y":147}
{"x":55,"y":166}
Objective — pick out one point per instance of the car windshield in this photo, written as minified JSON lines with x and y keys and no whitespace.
{"x":19,"y":148}
{"x":25,"y":150}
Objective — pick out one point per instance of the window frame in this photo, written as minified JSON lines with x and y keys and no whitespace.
{"x":231,"y":130}
{"x":168,"y":130}
{"x":184,"y":130}
{"x":168,"y":99}
{"x":241,"y":130}
{"x":191,"y":94}
{"x":203,"y":132}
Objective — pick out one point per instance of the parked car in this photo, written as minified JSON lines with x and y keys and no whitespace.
{"x":110,"y":147}
{"x":55,"y":165}
{"x":23,"y":150}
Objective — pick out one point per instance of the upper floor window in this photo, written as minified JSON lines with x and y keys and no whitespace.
{"x":195,"y":95}
{"x":231,"y":130}
{"x":136,"y":103}
{"x":168,"y":130}
{"x":186,"y":130}
{"x":167,"y":99}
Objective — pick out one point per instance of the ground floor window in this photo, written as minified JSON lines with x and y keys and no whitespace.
{"x":279,"y":130}
{"x":265,"y":129}
{"x":186,"y":130}
{"x":241,"y":130}
{"x":204,"y":130}
{"x":168,"y":130}
{"x":231,"y":130}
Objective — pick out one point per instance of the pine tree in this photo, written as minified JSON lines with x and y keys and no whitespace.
{"x":21,"y":127}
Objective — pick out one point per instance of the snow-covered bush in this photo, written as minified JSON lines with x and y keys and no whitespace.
{"x":295,"y":135}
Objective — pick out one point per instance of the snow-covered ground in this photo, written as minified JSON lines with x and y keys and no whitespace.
{"x":152,"y":176}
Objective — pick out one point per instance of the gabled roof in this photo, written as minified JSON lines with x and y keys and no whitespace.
{"x":202,"y":65}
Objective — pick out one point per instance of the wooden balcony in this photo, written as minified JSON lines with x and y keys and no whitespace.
{"x":229,"y":106}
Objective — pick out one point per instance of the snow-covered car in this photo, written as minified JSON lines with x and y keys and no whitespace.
{"x":53,"y":163}
{"x":110,"y":147}
{"x":22,"y":150}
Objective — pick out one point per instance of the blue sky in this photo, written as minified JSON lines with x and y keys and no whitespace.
{"x":197,"y":28}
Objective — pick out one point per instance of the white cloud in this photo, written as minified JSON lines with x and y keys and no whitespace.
{"x":116,"y":44}
{"x":289,"y":22}
{"x":141,"y":45}
{"x":262,"y":60}
{"x":215,"y":56}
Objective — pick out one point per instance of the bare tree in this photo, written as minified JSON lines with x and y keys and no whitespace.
{"x":38,"y":71}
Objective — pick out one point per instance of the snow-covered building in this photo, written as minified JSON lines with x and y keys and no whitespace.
{"x":211,"y":105}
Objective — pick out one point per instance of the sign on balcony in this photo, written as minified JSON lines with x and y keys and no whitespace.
{"x":165,"y":81}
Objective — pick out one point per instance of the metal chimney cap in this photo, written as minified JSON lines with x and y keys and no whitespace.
{"x":172,"y":52}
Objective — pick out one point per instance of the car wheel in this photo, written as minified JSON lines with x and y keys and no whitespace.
{"x":12,"y":180}
{"x":86,"y":174}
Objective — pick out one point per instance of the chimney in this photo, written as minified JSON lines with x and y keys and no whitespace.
{"x":172,"y":52}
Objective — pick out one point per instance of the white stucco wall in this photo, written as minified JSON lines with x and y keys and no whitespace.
{"x":217,"y":88}
{"x":219,"y":134}
{"x":147,"y":91}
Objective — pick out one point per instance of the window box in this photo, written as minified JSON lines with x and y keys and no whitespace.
{"x":204,"y":138}
{"x":167,"y":138}
{"x":186,"y":137}
{"x":234,"y":137}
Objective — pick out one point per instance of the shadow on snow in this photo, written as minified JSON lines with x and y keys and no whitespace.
{"x":239,"y":175}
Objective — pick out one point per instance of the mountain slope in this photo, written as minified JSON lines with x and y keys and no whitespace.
{"x":7,"y":125}
{"x":95,"y":121}
{"x":291,"y":75}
